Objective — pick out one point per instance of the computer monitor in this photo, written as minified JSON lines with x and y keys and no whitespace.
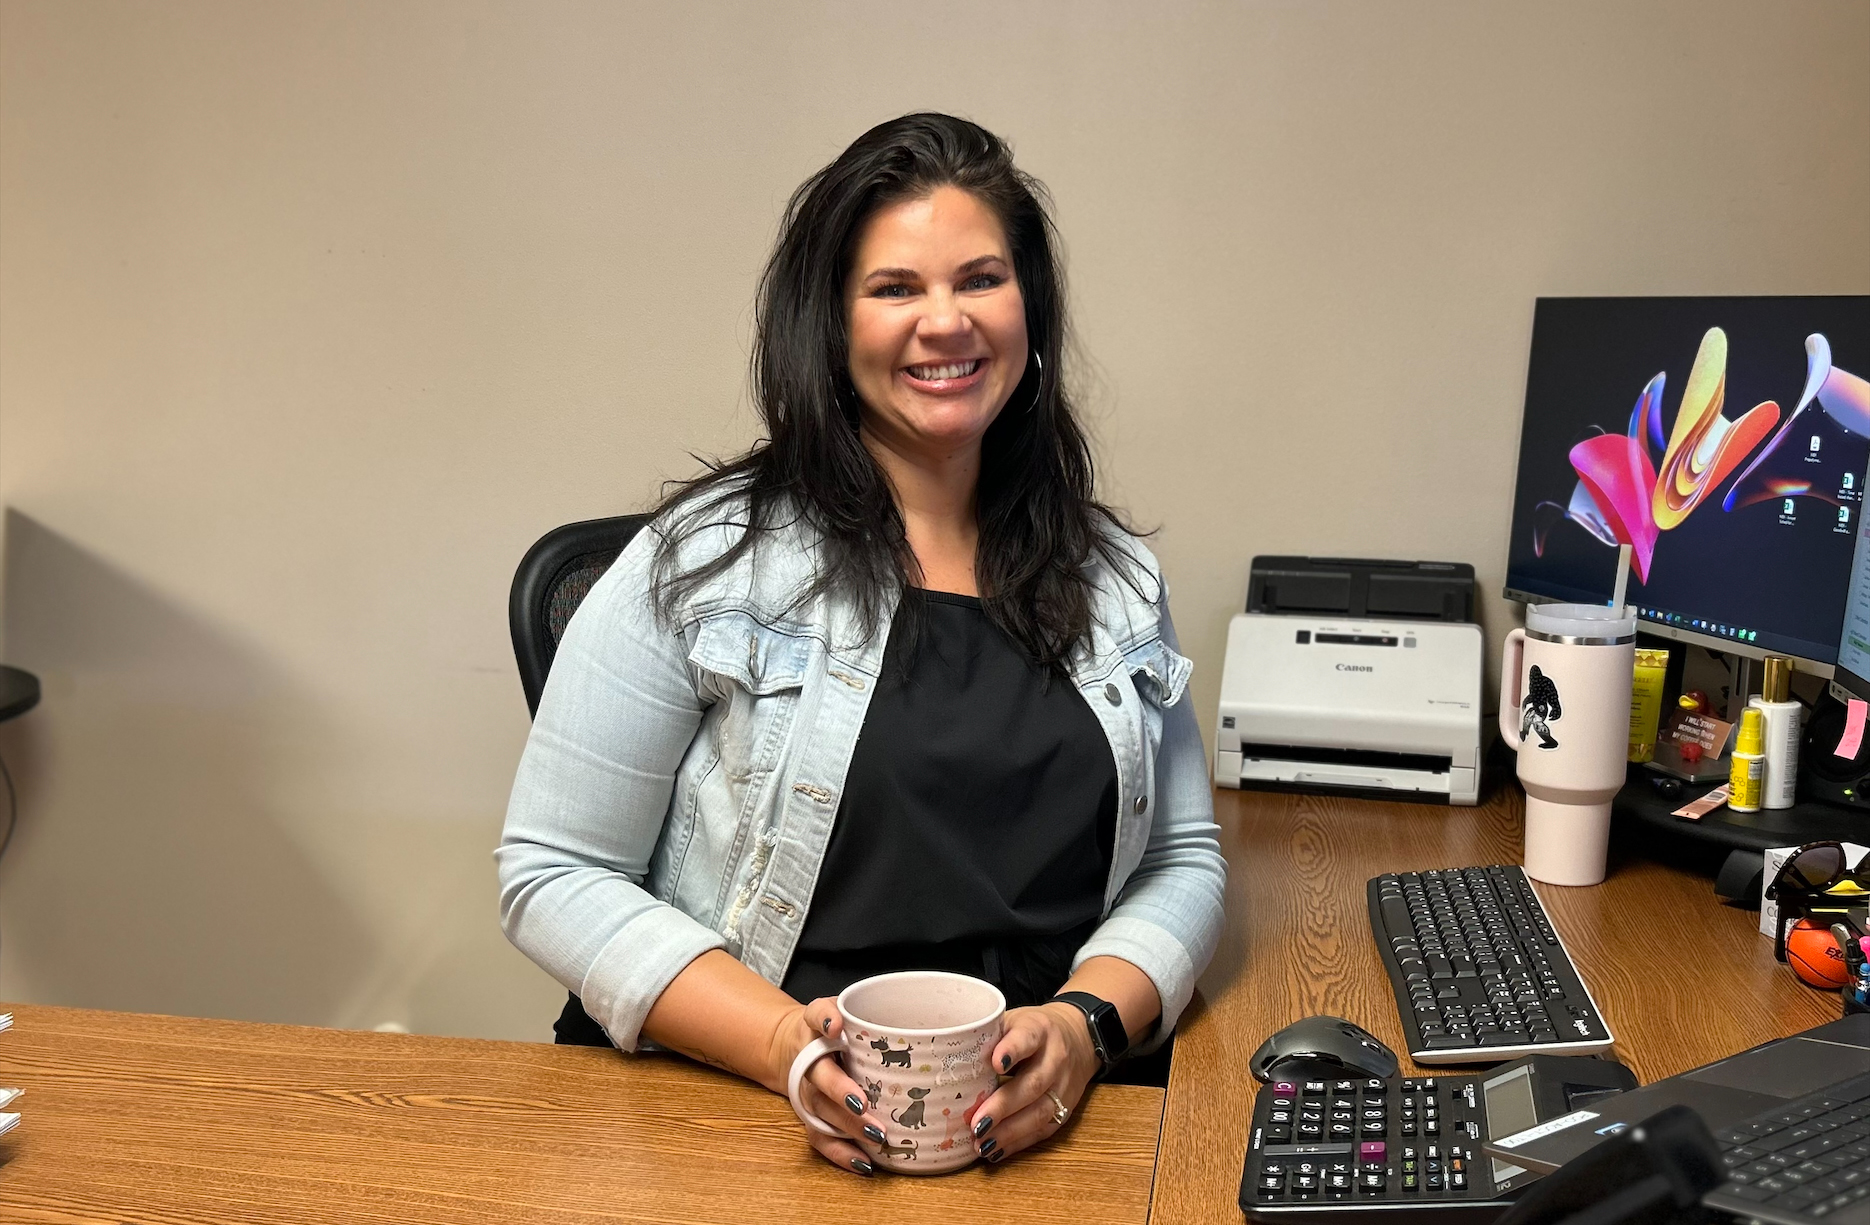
{"x":1726,"y":440}
{"x":1853,"y":663}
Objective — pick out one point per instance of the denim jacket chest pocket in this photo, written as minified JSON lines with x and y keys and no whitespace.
{"x":1158,"y":679}
{"x":755,"y":676}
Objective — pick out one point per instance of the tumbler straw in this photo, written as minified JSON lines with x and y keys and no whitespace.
{"x":1623,"y":575}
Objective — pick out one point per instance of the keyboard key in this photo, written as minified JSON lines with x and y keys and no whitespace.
{"x":1756,"y":1193}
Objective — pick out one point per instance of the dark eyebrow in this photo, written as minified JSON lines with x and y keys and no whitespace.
{"x":909,"y":274}
{"x":980,"y":262}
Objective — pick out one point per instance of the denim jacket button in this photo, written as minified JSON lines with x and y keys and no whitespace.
{"x":1114,"y":694}
{"x":1142,"y":805}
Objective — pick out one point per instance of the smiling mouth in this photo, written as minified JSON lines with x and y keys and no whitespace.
{"x":947,"y":370}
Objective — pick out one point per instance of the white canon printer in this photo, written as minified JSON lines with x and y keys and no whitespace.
{"x":1354,"y":676}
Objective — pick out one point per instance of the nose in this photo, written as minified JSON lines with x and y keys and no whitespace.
{"x":943,"y":318}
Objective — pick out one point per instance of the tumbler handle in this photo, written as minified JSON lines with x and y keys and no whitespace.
{"x":1512,"y":656}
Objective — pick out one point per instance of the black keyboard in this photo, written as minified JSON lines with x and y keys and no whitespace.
{"x":1801,"y":1160}
{"x":1331,"y":1150}
{"x":1477,"y":968}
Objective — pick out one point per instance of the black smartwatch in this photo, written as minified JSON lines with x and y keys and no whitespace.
{"x":1108,"y":1037}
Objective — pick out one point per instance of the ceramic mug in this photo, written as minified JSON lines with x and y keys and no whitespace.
{"x":919,"y":1044}
{"x":1565,"y":708}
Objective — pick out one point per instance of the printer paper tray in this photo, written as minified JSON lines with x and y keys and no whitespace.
{"x":1364,"y":772}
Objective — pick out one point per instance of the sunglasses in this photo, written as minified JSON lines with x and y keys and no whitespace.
{"x":1817,"y":880}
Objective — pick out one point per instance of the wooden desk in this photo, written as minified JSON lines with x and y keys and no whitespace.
{"x":171,"y":1120}
{"x":1682,"y":979}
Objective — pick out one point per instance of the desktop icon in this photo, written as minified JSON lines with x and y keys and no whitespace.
{"x":1816,"y":440}
{"x":1788,"y":509}
{"x":1844,"y":515}
{"x":1850,"y":480}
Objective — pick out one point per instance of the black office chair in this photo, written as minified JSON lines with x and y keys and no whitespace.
{"x":553,"y":579}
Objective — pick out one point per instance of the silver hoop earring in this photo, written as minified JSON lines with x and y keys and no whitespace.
{"x":1038,"y":393}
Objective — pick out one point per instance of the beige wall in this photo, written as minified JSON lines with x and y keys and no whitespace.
{"x":314,"y":315}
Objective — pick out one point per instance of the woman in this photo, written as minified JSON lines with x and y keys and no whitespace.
{"x":891,"y":691}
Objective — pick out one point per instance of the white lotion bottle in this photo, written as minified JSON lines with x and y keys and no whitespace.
{"x":1779,"y":740}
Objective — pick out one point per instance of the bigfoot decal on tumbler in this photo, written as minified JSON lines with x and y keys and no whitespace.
{"x":1540,"y":708}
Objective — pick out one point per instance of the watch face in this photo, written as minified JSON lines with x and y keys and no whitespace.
{"x":1110,"y":1032}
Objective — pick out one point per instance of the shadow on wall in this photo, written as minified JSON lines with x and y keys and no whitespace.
{"x":149,"y":872}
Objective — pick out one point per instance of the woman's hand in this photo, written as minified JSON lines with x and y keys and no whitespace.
{"x":1048,"y":1051}
{"x":825,"y":1089}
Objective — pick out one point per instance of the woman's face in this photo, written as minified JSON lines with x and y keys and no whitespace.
{"x":937,"y":324}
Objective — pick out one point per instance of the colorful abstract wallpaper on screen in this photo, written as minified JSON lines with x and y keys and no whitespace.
{"x":1625,"y":495}
{"x":1731,"y":459}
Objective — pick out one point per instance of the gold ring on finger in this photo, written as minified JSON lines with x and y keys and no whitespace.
{"x":1060,"y":1112}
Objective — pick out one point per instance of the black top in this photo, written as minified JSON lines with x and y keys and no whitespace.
{"x":978,"y":816}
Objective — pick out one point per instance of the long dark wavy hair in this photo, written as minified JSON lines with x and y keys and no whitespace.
{"x":1040,"y":522}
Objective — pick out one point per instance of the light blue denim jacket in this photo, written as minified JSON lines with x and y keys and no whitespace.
{"x":679,"y":786}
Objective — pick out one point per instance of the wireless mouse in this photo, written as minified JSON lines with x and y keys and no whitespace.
{"x":1322,"y":1048}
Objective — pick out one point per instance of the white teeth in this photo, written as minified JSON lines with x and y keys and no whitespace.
{"x":953,"y":370}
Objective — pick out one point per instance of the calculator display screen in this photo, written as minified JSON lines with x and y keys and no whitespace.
{"x":1509,"y":1110}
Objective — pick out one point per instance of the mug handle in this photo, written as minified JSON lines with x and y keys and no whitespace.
{"x":1512,"y":655}
{"x":814,"y":1050}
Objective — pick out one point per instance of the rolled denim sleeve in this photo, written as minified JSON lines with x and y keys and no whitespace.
{"x":619,"y":712}
{"x":1167,"y":920}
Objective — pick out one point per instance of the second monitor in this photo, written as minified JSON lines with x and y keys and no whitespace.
{"x":1726,"y":440}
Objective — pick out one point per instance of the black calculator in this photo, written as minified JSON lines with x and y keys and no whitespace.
{"x":1335,"y":1149}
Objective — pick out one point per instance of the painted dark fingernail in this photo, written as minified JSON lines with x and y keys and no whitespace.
{"x":997,"y":1156}
{"x":854,"y":1102}
{"x":827,"y":1025}
{"x":988,"y":1145}
{"x":980,"y":1128}
{"x":1006,"y":1063}
{"x":862,"y":1167}
{"x":873,"y":1133}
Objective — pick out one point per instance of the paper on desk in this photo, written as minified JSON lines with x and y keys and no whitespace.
{"x":1775,"y":859}
{"x":6,"y":1020}
{"x":7,"y":1096}
{"x":8,"y":1122}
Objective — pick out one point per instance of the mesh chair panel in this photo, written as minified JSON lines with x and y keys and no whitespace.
{"x":553,"y":579}
{"x":569,"y":587}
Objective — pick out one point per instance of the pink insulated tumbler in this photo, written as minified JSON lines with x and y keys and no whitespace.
{"x":1565,"y":707}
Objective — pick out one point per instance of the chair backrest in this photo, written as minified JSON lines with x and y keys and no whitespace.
{"x":553,"y":579}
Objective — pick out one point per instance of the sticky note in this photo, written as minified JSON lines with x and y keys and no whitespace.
{"x":1853,"y":728}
